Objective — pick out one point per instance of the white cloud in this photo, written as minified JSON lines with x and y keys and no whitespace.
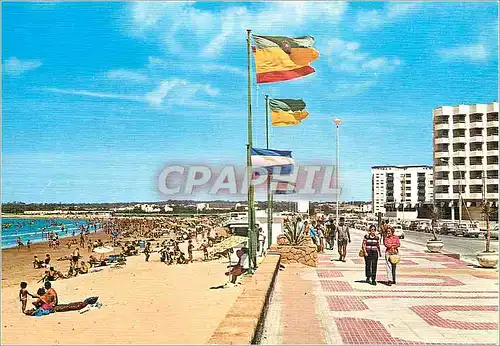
{"x":126,"y":75}
{"x":16,"y":67}
{"x":475,"y":52}
{"x":346,"y":57}
{"x":175,"y":91}
{"x":392,"y":12}
{"x":95,"y":94}
{"x":171,"y":24}
{"x":157,"y":96}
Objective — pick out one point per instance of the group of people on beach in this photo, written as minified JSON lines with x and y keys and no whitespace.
{"x":46,"y":298}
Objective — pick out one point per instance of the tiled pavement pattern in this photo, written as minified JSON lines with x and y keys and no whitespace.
{"x":437,"y":300}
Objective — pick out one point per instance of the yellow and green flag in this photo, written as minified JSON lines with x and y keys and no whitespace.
{"x":287,"y":112}
{"x":280,"y":58}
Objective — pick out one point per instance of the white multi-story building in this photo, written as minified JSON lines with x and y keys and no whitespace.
{"x":466,"y":155}
{"x":400,"y":190}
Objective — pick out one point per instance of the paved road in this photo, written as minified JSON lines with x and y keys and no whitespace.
{"x":466,"y":247}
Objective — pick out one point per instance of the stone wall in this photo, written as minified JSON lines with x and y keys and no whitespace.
{"x":307,"y":254}
{"x":244,"y":322}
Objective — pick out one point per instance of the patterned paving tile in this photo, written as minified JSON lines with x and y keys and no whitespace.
{"x":328,"y":274}
{"x":362,"y":331}
{"x":336,"y":286}
{"x":441,"y":280}
{"x":429,"y":313}
{"x":346,"y":303}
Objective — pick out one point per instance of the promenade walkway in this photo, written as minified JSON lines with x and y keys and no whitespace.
{"x":437,"y":300}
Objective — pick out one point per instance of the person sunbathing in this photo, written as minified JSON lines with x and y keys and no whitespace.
{"x":37,"y":263}
{"x":84,"y":268}
{"x":52,"y":275}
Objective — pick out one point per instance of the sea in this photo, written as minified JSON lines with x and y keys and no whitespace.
{"x":35,"y":229}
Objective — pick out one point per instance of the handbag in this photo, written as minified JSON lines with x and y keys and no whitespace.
{"x":394,"y":259}
{"x":361,"y":253}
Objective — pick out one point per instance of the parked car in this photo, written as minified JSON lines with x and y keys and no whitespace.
{"x":423,"y":226}
{"x":448,"y":228}
{"x":467,"y":230}
{"x":398,"y":231}
{"x":493,"y":232}
{"x":413,"y":225}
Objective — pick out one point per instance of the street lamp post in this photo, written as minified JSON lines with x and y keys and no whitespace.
{"x":337,"y":123}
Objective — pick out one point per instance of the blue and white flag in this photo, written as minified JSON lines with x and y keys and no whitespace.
{"x":271,"y":159}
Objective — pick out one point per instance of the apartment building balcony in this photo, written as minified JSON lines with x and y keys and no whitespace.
{"x":475,"y":181}
{"x":492,"y":138}
{"x":492,"y":107}
{"x":473,"y":153}
{"x":492,"y":195}
{"x":473,"y":195}
{"x":459,"y":153}
{"x":446,"y":196}
{"x":460,"y":125}
{"x":443,"y":168}
{"x":443,"y":110}
{"x":492,"y":123}
{"x":492,"y":166}
{"x":492,"y":152}
{"x":458,"y":140}
{"x":441,"y":182}
{"x":442,"y":140}
{"x":476,"y":167}
{"x":477,"y":108}
{"x":492,"y":181}
{"x":442,"y":126}
{"x":476,"y":124}
{"x":476,"y":139}
{"x":443,"y":154}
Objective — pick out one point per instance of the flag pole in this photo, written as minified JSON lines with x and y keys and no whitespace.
{"x":269,"y":192}
{"x":251,"y":212}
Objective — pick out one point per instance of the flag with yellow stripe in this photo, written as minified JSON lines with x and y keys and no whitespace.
{"x":287,"y":112}
{"x":280,"y":58}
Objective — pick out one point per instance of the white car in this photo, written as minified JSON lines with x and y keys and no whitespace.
{"x":398,"y":231}
{"x":467,"y":230}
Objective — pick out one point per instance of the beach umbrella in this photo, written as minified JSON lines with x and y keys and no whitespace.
{"x":103,"y":249}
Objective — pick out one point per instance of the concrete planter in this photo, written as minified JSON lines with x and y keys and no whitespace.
{"x":435,"y":245}
{"x":488,"y":259}
{"x":304,"y":254}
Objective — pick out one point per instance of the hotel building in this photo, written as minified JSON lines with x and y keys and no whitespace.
{"x":465,"y":158}
{"x":399,"y":191}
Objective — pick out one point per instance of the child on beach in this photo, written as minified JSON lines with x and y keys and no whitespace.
{"x":190,"y":250}
{"x":23,"y":295}
{"x":204,"y":247}
{"x":28,"y":244}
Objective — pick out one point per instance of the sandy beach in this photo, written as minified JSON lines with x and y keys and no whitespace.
{"x":143,"y":302}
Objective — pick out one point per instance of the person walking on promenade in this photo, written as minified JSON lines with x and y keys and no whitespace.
{"x":343,"y":237}
{"x":330,"y":233}
{"x":371,"y":249}
{"x":392,"y":244}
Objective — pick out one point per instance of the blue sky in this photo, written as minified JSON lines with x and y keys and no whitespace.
{"x":99,"y":97}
